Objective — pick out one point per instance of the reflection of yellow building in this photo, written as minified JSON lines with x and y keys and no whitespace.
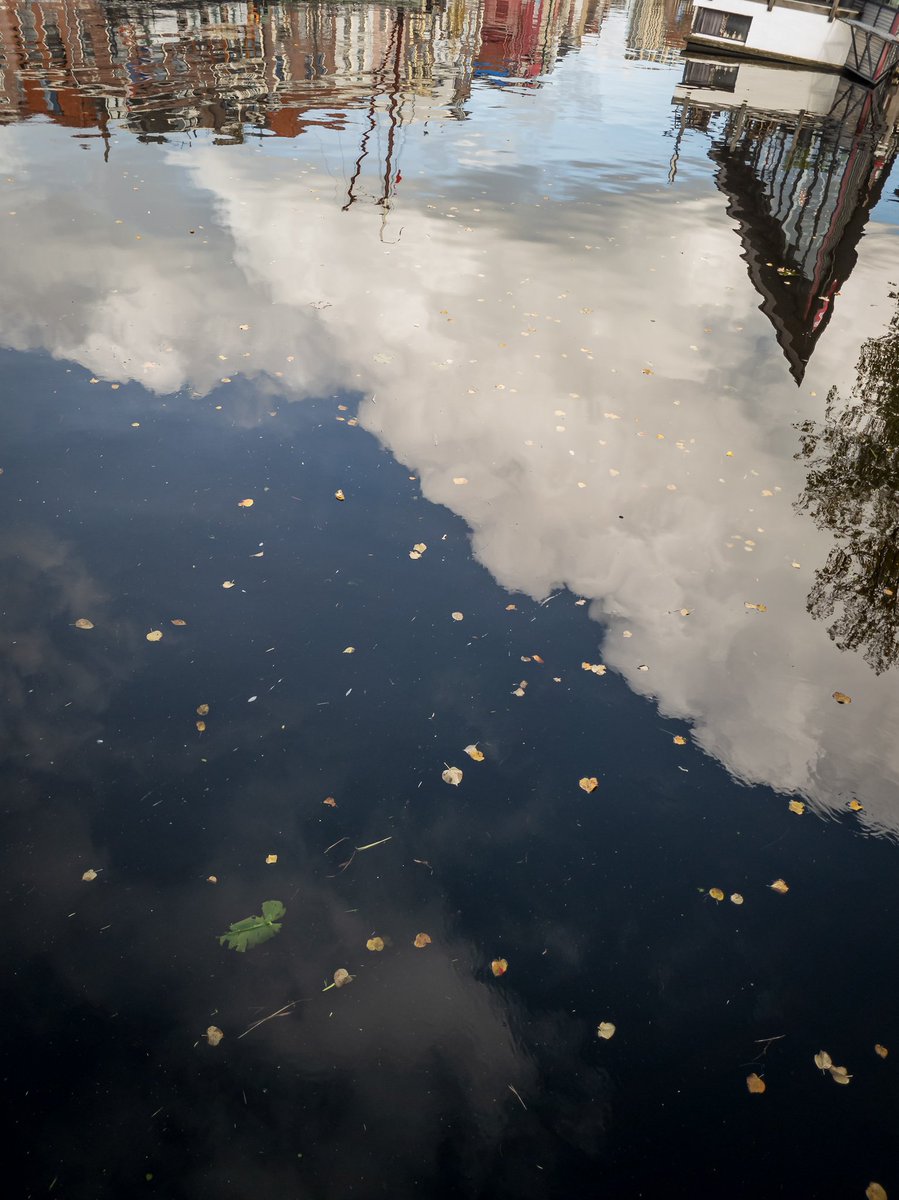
{"x":280,"y":67}
{"x":657,"y":29}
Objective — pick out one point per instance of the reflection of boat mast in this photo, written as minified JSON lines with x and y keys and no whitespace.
{"x":395,"y":45}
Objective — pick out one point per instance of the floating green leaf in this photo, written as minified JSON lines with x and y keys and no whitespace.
{"x":253,"y":931}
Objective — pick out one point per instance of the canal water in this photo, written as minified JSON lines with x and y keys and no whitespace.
{"x":449,"y":489}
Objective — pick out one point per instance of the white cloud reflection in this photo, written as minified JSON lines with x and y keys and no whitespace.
{"x":509,"y":346}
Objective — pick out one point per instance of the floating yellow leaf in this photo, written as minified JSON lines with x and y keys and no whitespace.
{"x":755,"y":1084}
{"x":588,"y":784}
{"x":342,"y":977}
{"x":780,"y":885}
{"x":89,"y":875}
{"x":880,"y":1051}
{"x":330,"y":801}
{"x":457,"y":616}
{"x":418,"y":550}
{"x":823,"y":1061}
{"x":201,"y":726}
{"x":596,"y":668}
{"x":519,"y":691}
{"x":679,"y":741}
{"x":271,"y":859}
{"x":245,"y":503}
{"x":178,"y":621}
{"x":214,"y":1035}
{"x":475,"y":753}
{"x":350,"y":650}
{"x":202,"y":710}
{"x":452,"y":775}
{"x":499,"y":966}
{"x":762,"y":608}
{"x":736,"y":898}
{"x":511,"y":607}
{"x":605,"y":1030}
{"x":84,"y":623}
{"x":155,"y":635}
{"x":875,"y":1191}
{"x":855,"y":806}
{"x":716,"y":893}
{"x":338,"y":495}
{"x":796,"y":806}
{"x":421,"y":940}
{"x":374,"y":943}
{"x":685,"y":612}
{"x":229,"y":583}
{"x":842,"y":698}
{"x":212,"y":878}
{"x":459,"y":480}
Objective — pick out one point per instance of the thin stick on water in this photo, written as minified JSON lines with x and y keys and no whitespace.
{"x":281,"y":1012}
{"x":515,"y":1093}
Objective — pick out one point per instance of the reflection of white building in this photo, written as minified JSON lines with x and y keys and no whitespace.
{"x":858,"y":37}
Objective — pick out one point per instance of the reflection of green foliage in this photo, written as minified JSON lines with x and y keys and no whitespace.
{"x":852,"y":489}
{"x":253,"y":931}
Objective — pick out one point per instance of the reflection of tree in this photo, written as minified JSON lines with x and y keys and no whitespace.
{"x":852,"y":489}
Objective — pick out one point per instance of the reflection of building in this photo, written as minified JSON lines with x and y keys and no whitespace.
{"x":657,"y":29}
{"x":278,"y":67}
{"x":801,"y":157}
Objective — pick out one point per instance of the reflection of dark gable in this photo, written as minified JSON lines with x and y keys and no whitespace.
{"x":799,"y":229}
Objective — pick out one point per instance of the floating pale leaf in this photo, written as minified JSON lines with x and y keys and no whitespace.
{"x":338,"y":495}
{"x":823,"y":1061}
{"x":178,"y":621}
{"x":350,"y":650}
{"x":459,"y":480}
{"x":840,"y":1075}
{"x":588,"y":784}
{"x":796,"y":806}
{"x":212,"y":878}
{"x":201,"y":726}
{"x":511,"y":607}
{"x":374,"y":943}
{"x":202,"y":710}
{"x":736,"y":898}
{"x":342,"y":977}
{"x":716,"y":893}
{"x":755,"y":1085}
{"x":499,"y":966}
{"x":679,"y":740}
{"x":842,"y":698}
{"x":84,"y":623}
{"x":762,"y":608}
{"x":780,"y":885}
{"x":155,"y":635}
{"x":253,"y":931}
{"x":421,"y":940}
{"x":452,"y":775}
{"x":229,"y":583}
{"x":457,"y":616}
{"x":875,"y":1191}
{"x":89,"y":875}
{"x":605,"y":1030}
{"x":245,"y":503}
{"x":271,"y":858}
{"x":474,"y":753}
{"x":880,"y":1051}
{"x":214,"y":1035}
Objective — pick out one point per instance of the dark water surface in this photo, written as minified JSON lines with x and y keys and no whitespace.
{"x":614,"y":334}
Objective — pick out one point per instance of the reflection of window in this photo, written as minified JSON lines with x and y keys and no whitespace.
{"x":730,"y":26}
{"x":711,"y":75}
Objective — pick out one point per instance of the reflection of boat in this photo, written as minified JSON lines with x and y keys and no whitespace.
{"x":855,"y":37}
{"x":801,"y":157}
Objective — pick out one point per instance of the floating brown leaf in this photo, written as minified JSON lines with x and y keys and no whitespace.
{"x":374,"y":943}
{"x":202,"y":710}
{"x":330,"y":801}
{"x":780,"y":885}
{"x":84,"y":623}
{"x":421,"y":940}
{"x":796,"y":806}
{"x":214,"y":1035}
{"x":842,"y":698}
{"x":338,"y":495}
{"x":89,"y":875}
{"x":875,"y":1191}
{"x":474,"y":753}
{"x":716,"y":894}
{"x":755,"y":1085}
{"x":179,"y":621}
{"x":452,"y":775}
{"x":155,"y":635}
{"x":880,"y":1051}
{"x":342,"y":977}
{"x":499,"y":966}
{"x":588,"y":784}
{"x":605,"y":1030}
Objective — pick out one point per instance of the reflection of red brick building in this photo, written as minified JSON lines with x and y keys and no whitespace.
{"x":523,"y":38}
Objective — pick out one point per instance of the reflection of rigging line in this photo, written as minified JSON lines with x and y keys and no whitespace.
{"x":372,"y":119}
